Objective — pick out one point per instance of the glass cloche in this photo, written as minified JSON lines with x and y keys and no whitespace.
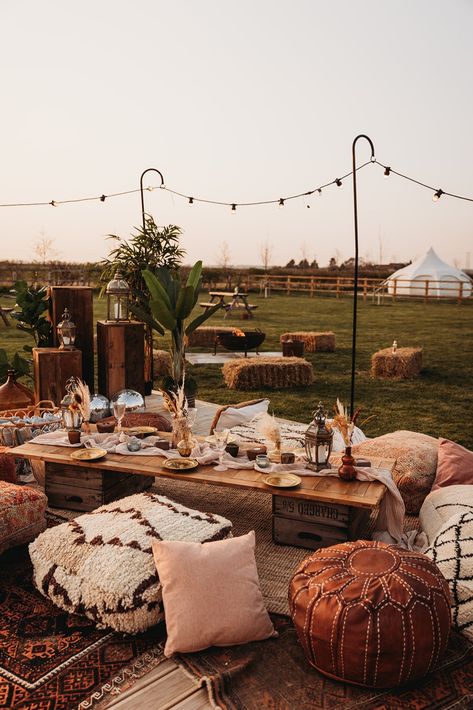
{"x":133,"y":400}
{"x":99,"y":408}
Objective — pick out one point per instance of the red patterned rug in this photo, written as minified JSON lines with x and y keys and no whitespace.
{"x":274,"y":675}
{"x":52,"y":660}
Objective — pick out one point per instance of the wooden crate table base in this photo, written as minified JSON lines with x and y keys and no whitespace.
{"x":77,"y":488}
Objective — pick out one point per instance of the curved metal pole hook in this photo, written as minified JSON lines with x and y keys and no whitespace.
{"x":355,"y":281}
{"x":141,"y":191}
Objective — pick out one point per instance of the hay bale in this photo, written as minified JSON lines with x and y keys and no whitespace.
{"x":162,"y":363}
{"x":206,"y":334}
{"x":403,"y":364}
{"x":314,"y":341}
{"x":271,"y":372}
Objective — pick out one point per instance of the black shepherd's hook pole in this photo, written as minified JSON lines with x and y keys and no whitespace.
{"x":141,"y":191}
{"x":355,"y":284}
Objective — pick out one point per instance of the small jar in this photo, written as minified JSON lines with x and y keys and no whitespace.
{"x":185,"y":449}
{"x":262,"y":461}
{"x":133,"y":444}
{"x":288,"y":457}
{"x":256,"y":451}
{"x":232,"y":449}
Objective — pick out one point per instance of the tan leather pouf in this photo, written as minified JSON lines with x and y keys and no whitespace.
{"x":370,"y":613}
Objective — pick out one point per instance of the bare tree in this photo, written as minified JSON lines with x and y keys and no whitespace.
{"x":44,"y":248}
{"x":266,"y":253}
{"x":224,"y":256}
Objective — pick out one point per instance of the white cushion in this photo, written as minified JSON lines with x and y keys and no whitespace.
{"x":235,"y":417}
{"x":452,"y":551}
{"x":441,"y":505}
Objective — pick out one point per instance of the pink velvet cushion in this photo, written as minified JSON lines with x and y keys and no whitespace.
{"x":455,"y":465}
{"x":211,"y":593}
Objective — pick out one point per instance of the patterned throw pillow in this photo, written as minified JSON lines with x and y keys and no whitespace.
{"x":416,"y":463}
{"x":452,"y":551}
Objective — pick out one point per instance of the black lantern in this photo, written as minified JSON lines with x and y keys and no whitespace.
{"x":118,"y":296}
{"x":66,"y":332}
{"x":318,"y":441}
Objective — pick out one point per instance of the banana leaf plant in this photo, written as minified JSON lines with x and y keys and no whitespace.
{"x":171,"y":304}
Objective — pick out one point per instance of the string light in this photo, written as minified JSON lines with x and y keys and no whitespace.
{"x":233,"y":205}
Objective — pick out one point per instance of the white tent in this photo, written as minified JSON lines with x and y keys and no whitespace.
{"x":430,"y":276}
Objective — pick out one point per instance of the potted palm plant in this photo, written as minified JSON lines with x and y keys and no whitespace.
{"x":170,"y":307}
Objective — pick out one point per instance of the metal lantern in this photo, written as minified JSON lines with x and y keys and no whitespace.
{"x":118,"y":297}
{"x":66,"y":332}
{"x":318,"y":441}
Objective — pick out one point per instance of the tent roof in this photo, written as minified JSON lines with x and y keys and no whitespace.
{"x":429,"y":265}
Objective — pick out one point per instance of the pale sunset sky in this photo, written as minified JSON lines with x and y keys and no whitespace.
{"x":238,"y":101}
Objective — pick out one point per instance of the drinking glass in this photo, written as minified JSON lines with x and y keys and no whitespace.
{"x":119,"y":412}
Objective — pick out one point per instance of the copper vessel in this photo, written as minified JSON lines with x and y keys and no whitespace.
{"x":347,"y":470}
{"x":14,"y":395}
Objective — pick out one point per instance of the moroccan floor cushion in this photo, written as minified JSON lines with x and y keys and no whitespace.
{"x":370,"y":613}
{"x":22,"y":514}
{"x":416,"y":463}
{"x":101,"y":564}
{"x":441,"y":505}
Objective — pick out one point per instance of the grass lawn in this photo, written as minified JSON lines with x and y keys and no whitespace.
{"x":440,"y":402}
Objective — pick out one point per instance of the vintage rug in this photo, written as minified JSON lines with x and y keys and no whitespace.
{"x":54,"y":660}
{"x":274,"y":675}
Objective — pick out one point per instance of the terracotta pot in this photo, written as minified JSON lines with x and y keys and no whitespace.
{"x":347,"y":470}
{"x":14,"y":395}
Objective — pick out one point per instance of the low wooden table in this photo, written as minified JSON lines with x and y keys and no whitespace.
{"x":321,"y":511}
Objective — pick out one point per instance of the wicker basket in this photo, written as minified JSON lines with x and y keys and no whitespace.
{"x":11,"y":431}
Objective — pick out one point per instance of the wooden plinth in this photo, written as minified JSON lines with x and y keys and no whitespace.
{"x":79,"y":302}
{"x":120,"y":357}
{"x":52,"y":368}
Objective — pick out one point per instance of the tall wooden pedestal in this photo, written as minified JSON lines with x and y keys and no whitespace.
{"x":79,"y":302}
{"x":120,"y":356}
{"x":52,"y":368}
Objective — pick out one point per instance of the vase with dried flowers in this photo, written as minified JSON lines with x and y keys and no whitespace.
{"x":346,"y":426}
{"x":269,"y":428}
{"x":77,"y":414}
{"x":176,"y":404}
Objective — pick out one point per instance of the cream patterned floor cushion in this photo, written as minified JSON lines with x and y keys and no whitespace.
{"x":441,"y":505}
{"x":452,"y":551}
{"x":101,"y":564}
{"x":416,"y":463}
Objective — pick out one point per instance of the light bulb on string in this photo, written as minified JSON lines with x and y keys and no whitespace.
{"x":437,"y":195}
{"x":387,"y":171}
{"x":191,"y":200}
{"x":319,"y":190}
{"x":150,"y":188}
{"x":281,"y":203}
{"x":53,"y":203}
{"x":102,"y":198}
{"x":233,"y":208}
{"x":338,"y":182}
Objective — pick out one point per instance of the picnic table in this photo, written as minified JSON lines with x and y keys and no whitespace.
{"x":237,"y":301}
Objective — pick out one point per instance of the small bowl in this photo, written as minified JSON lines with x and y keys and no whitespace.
{"x":105,"y":427}
{"x":256,"y":451}
{"x":232,"y":449}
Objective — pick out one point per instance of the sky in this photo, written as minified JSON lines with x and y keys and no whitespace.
{"x":237,"y":101}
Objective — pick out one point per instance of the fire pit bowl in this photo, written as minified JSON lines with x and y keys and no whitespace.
{"x":239,"y":340}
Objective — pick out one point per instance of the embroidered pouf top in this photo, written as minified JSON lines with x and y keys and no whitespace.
{"x":370,"y":613}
